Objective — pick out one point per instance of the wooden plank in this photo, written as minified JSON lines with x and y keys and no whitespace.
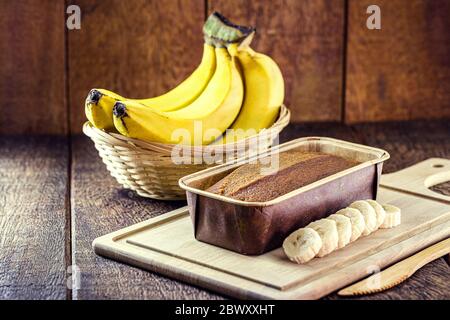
{"x":136,"y":48}
{"x":402,"y":71}
{"x":33,"y":207}
{"x":426,"y":174}
{"x":407,"y":142}
{"x":100,"y":206}
{"x":428,"y":283}
{"x":166,"y":244}
{"x":400,"y":271}
{"x":306,"y":39}
{"x":324,"y":129}
{"x":32,"y":87}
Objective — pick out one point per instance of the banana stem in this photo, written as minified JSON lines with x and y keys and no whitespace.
{"x":214,"y":41}
{"x":221,"y":29}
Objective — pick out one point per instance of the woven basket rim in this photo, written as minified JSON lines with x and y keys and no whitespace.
{"x":147,"y":167}
{"x":119,"y":140}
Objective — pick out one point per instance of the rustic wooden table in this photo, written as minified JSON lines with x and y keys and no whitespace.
{"x":56,"y":197}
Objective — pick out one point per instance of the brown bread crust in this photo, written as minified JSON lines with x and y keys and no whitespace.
{"x":296,"y":169}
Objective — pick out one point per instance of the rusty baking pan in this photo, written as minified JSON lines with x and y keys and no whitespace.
{"x":256,"y":227}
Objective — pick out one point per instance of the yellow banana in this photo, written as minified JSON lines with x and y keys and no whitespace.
{"x":100,"y":102}
{"x":201,"y":122}
{"x":264,"y":93}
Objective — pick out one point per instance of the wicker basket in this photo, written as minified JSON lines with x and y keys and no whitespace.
{"x":148,"y":169}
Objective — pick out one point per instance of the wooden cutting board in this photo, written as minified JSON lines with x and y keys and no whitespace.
{"x":166,"y":245}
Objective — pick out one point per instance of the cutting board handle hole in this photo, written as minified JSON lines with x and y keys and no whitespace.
{"x":437,"y":165}
{"x":441,"y":188}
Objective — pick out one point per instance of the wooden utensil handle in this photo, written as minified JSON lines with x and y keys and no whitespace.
{"x":427,"y":255}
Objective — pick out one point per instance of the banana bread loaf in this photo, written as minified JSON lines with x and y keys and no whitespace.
{"x":296,"y":169}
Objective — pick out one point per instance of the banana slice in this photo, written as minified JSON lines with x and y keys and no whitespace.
{"x":393,"y":216}
{"x":302,"y":245}
{"x":379,"y":211}
{"x":327,"y":230}
{"x":344,"y":228}
{"x":357,"y":221}
{"x":370,"y":217}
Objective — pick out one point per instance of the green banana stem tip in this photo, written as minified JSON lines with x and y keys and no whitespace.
{"x":218,"y":27}
{"x":214,"y":41}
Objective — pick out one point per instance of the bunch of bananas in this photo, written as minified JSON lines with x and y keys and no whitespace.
{"x":234,"y":87}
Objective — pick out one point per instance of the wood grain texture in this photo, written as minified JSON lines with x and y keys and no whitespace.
{"x":402,"y":71}
{"x":423,"y":177}
{"x":100,"y":206}
{"x":306,"y":39}
{"x":400,"y":271}
{"x":32,"y":166}
{"x":32,"y":73}
{"x":428,"y":283}
{"x":442,"y":188}
{"x":407,"y":142}
{"x":33,"y":205}
{"x":111,"y":276}
{"x":167,"y":243}
{"x":331,"y":130}
{"x":136,"y":48}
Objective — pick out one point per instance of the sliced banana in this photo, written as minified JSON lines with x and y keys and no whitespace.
{"x":370,"y":217}
{"x":328,"y":232}
{"x":322,"y":237}
{"x":379,"y":211}
{"x":302,"y":245}
{"x":393,"y":216}
{"x":344,"y":228}
{"x":357,"y":221}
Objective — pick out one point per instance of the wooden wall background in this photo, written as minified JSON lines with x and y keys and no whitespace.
{"x":335,"y":68}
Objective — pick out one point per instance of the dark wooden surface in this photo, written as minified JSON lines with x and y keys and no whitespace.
{"x":32,"y":72}
{"x":402,"y":71}
{"x":35,"y":215}
{"x":33,"y":212}
{"x":100,"y":206}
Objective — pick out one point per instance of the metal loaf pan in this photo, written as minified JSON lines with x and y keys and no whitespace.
{"x":256,"y":227}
